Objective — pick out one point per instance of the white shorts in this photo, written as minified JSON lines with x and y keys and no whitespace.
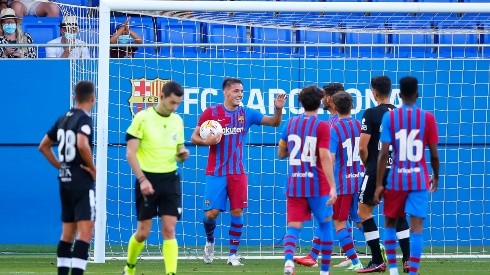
{"x":31,"y":5}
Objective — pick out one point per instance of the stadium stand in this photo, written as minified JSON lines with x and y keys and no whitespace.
{"x":144,"y":26}
{"x":226,"y":34}
{"x":448,"y":42}
{"x":42,"y":30}
{"x":272,"y":36}
{"x":179,"y":32}
{"x":313,"y":37}
{"x":362,"y":44}
{"x":83,"y":3}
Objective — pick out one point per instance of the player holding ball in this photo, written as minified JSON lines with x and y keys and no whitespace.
{"x":225,"y":172}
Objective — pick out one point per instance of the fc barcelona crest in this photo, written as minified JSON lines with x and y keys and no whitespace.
{"x":144,"y":93}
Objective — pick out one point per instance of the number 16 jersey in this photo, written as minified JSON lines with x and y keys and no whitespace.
{"x":408,"y":129}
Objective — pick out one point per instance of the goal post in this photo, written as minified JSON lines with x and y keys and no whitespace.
{"x":288,"y":71}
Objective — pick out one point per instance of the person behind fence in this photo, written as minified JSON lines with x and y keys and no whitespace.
{"x":41,"y":8}
{"x":124,"y":35}
{"x":13,"y":34}
{"x":74,"y":48}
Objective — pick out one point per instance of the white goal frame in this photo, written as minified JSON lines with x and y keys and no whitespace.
{"x":106,"y":6}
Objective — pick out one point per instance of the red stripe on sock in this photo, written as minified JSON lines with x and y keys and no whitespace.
{"x":236,"y":234}
{"x":388,"y":242}
{"x":236,"y":225}
{"x":290,"y":244}
{"x":413,"y":269}
{"x":348,"y":246}
{"x":414,"y":260}
{"x":390,"y":251}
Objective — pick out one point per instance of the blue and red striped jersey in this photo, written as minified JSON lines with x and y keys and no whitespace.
{"x":332,"y":119}
{"x":305,"y":135}
{"x":408,"y":129}
{"x":344,"y":143}
{"x":226,"y":157}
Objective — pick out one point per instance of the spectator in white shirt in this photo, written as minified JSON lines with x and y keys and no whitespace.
{"x":74,"y":48}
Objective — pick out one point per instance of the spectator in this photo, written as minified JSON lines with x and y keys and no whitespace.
{"x":4,"y":4}
{"x":123,"y":35}
{"x":43,"y":8}
{"x":13,"y":34}
{"x":74,"y":48}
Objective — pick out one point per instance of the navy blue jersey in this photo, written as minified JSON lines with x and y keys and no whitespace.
{"x":371,"y":124}
{"x":64,"y":132}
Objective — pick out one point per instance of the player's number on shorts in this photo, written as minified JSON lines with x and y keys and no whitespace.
{"x":352,"y":155}
{"x":308,"y":152}
{"x":66,"y":148}
{"x":411,"y":148}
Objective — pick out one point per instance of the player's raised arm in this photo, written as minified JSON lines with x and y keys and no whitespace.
{"x":276,"y":119}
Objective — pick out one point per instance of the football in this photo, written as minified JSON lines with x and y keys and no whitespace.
{"x":210,"y":127}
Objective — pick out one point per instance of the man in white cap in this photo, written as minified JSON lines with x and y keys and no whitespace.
{"x":74,"y":48}
{"x":42,"y":8}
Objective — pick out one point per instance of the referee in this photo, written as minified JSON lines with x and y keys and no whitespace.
{"x":155,"y":142}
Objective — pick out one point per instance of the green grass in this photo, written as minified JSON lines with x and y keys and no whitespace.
{"x":42,"y":260}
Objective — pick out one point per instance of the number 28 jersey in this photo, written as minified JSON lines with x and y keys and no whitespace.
{"x":305,"y":135}
{"x":408,"y":129}
{"x":64,"y":131}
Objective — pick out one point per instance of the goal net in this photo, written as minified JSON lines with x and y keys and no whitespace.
{"x":277,"y":47}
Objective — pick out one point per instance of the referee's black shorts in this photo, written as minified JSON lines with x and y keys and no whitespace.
{"x":165,"y":201}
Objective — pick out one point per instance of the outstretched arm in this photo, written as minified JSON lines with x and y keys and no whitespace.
{"x":276,"y":119}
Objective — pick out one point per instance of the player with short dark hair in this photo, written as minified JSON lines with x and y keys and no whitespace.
{"x":155,"y":143}
{"x":368,"y":149}
{"x":409,"y":130}
{"x":329,"y":91}
{"x":348,"y":169}
{"x":73,"y":133}
{"x":225,"y":173}
{"x":310,"y":187}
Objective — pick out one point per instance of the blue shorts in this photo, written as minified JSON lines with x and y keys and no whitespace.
{"x":219,"y":188}
{"x":417,"y":204}
{"x":398,"y":203}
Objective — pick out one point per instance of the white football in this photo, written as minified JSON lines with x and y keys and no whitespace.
{"x":210,"y":127}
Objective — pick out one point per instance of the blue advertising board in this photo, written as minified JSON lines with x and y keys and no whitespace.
{"x":456,"y":91}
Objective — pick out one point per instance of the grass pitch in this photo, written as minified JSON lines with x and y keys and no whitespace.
{"x":29,"y":260}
